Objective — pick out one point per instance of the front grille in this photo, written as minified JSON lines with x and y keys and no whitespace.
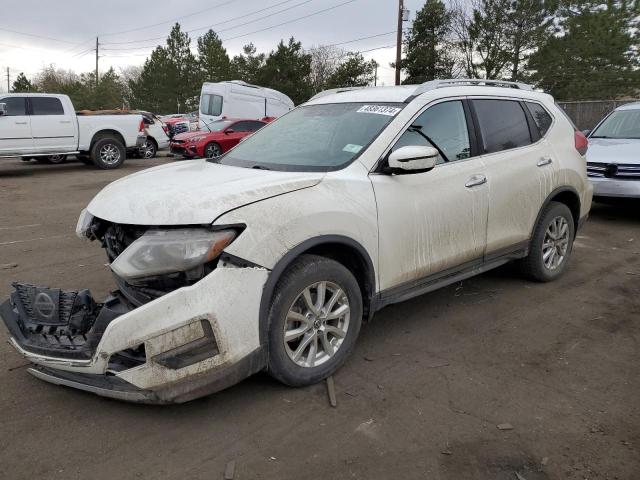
{"x":619,"y":171}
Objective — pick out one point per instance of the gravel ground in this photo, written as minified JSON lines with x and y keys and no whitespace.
{"x":422,"y":396}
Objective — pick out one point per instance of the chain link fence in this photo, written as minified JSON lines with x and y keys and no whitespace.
{"x":586,"y":114}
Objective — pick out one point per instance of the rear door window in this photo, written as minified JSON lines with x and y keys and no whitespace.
{"x":211,"y":104}
{"x":248,"y":126}
{"x":540,"y":116}
{"x":503,"y":125}
{"x":46,"y":106}
{"x":16,"y":106}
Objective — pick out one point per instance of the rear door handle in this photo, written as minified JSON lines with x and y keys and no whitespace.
{"x":475,"y":181}
{"x":65,"y":121}
{"x":545,"y":161}
{"x":21,"y":123}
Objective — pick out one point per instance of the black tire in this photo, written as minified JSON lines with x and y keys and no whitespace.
{"x":84,"y":159}
{"x":212,"y":150}
{"x":534,"y":266}
{"x":108,"y":153}
{"x":149,"y":149}
{"x":305,"y":272}
{"x":56,"y":159}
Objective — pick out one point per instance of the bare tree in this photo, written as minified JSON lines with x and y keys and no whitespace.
{"x":325,"y":59}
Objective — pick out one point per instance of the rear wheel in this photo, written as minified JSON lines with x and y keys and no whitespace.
{"x":149,"y":149}
{"x":315,"y":318}
{"x":212,"y":150}
{"x":551,"y":244}
{"x":108,"y":153}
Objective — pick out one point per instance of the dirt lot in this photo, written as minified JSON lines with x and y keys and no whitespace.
{"x":421,"y":397}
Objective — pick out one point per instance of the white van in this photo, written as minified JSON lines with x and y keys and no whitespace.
{"x":238,"y":99}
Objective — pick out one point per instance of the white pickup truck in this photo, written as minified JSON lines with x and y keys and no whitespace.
{"x":45,"y":125}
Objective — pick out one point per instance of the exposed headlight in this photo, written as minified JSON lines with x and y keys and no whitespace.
{"x":84,"y":222}
{"x":158,"y":252}
{"x":195,"y":139}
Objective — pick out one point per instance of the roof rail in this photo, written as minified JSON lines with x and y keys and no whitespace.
{"x":331,"y":91}
{"x":478,"y":82}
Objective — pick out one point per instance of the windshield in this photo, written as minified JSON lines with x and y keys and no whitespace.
{"x":314,"y":137}
{"x":620,"y":124}
{"x":218,"y":125}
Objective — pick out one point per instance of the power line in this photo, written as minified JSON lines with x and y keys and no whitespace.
{"x":168,"y":21}
{"x":209,"y":26}
{"x":37,"y":36}
{"x":228,"y":28}
{"x":289,"y":21}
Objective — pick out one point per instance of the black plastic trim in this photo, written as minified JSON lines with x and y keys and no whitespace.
{"x":550,"y":198}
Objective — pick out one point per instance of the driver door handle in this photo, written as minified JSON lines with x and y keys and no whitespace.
{"x":21,"y":123}
{"x":475,"y":181}
{"x":545,"y":161}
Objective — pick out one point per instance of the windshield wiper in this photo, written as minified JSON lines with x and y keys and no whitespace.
{"x":260,"y":167}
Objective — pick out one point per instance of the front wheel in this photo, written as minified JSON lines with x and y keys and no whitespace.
{"x":314,"y":320}
{"x":551,"y":244}
{"x":108,"y":153}
{"x":212,"y":150}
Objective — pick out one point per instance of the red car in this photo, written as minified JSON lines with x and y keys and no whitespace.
{"x":223,"y":136}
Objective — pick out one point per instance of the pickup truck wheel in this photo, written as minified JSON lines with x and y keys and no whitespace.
{"x":108,"y":153}
{"x":314,"y":320}
{"x":56,"y":159}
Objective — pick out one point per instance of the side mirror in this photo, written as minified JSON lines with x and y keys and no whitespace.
{"x":586,"y":132}
{"x":3,"y":109}
{"x":229,"y":130}
{"x":412,"y":159}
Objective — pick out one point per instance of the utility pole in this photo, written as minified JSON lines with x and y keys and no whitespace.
{"x":8,"y":89}
{"x":399,"y":40}
{"x":97,"y":48}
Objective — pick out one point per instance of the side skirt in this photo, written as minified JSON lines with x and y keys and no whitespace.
{"x":433,"y":282}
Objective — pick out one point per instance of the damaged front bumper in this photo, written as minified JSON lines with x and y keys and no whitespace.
{"x":188,"y":343}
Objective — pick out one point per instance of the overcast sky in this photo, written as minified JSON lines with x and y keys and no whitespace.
{"x":63,"y":32}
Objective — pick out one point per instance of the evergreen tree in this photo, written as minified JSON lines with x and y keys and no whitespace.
{"x":22,"y":84}
{"x":426,"y":45}
{"x":183,"y":70}
{"x":247,"y":65}
{"x":287,"y":69}
{"x":214,"y":62}
{"x":355,"y":71}
{"x":153,"y":89}
{"x":592,"y":53}
{"x":527,"y":21}
{"x":483,"y":38}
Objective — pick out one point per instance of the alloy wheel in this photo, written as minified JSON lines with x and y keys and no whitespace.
{"x":212,"y":151}
{"x":316,"y":324}
{"x":109,"y":154}
{"x":555,"y":243}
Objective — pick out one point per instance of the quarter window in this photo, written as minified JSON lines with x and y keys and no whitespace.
{"x":46,"y":106}
{"x":540,"y":116}
{"x":443,"y":126}
{"x":16,"y":106}
{"x":211,"y":104}
{"x":503,"y":124}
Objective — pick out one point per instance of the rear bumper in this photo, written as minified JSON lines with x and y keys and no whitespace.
{"x":176,"y":329}
{"x":610,"y":187}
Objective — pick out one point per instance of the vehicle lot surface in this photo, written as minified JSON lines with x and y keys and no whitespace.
{"x":421,"y":397}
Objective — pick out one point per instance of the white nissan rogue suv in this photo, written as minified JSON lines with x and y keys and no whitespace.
{"x":271,"y":256}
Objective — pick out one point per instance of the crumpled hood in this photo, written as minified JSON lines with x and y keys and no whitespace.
{"x":614,"y":150}
{"x":191,"y":192}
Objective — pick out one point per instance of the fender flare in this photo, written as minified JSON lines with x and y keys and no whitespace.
{"x":549,"y":199}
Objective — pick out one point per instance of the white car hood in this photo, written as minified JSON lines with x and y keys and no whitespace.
{"x":614,"y":150}
{"x":191,"y":192}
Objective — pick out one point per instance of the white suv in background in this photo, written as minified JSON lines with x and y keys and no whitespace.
{"x":272,"y":256}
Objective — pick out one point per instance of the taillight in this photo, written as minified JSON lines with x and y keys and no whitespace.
{"x":166,"y":129}
{"x":141,"y":127}
{"x":581,"y":142}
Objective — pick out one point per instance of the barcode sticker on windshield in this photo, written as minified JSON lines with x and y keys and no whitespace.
{"x":379,"y":110}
